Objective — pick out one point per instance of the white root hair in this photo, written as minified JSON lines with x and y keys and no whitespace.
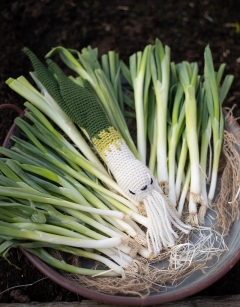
{"x":161,"y":218}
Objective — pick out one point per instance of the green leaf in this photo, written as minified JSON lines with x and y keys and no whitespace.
{"x":225,"y":88}
{"x":220,"y":73}
{"x":37,"y":216}
{"x":4,"y":248}
{"x":126,"y":72}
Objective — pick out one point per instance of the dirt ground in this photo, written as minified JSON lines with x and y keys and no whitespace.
{"x":124,"y":26}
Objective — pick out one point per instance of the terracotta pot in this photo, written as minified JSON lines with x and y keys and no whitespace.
{"x":191,"y":285}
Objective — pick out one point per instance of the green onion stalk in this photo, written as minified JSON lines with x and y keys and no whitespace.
{"x":111,"y":67}
{"x":21,"y":233}
{"x":152,"y":133}
{"x":178,"y":117}
{"x":160,"y":70}
{"x":215,"y":97}
{"x":205,"y":137}
{"x":184,"y":191}
{"x":180,"y":173}
{"x":139,"y":64}
{"x":37,"y":248}
{"x":188,"y":79}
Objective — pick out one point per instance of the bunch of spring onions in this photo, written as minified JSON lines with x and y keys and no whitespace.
{"x":54,"y":189}
{"x":174,"y":107}
{"x":184,"y":123}
{"x":47,"y":196}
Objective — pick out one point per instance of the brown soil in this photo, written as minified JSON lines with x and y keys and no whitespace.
{"x":125,"y":26}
